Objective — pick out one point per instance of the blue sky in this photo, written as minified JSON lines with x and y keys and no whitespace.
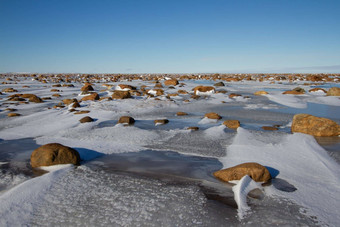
{"x":125,"y":36}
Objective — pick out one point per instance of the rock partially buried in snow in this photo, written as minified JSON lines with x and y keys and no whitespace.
{"x":334,"y":91}
{"x":269,"y":128}
{"x":204,"y":90}
{"x":87,"y":87}
{"x":317,"y":89}
{"x":181,"y":114}
{"x":126,"y":120}
{"x":161,"y":121}
{"x":212,"y":116}
{"x":193,"y":128}
{"x":54,"y":154}
{"x":261,"y":93}
{"x":233,"y":124}
{"x":86,"y":119}
{"x":292,"y":92}
{"x":256,"y":171}
{"x":172,"y":82}
{"x":316,"y":126}
{"x":13,"y":115}
{"x":219,"y":84}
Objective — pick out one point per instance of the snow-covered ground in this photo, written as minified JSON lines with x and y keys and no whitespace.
{"x":161,"y":175}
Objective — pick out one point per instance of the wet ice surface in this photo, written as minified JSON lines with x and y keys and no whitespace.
{"x":147,"y":175}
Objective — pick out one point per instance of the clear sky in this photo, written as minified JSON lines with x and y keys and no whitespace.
{"x":169,"y":36}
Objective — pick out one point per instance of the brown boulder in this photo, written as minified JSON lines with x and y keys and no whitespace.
{"x":13,"y":115}
{"x":317,"y":89}
{"x":212,"y":116}
{"x":121,"y":95}
{"x":126,"y":120}
{"x":232,"y":95}
{"x":261,"y":93}
{"x":219,"y":84}
{"x":86,"y":119}
{"x":69,"y":101}
{"x":9,"y":90}
{"x":156,"y":91}
{"x":92,"y":97}
{"x":334,"y":91}
{"x":233,"y":124}
{"x":181,"y":114}
{"x":203,"y":89}
{"x":161,"y":121}
{"x":87,"y":87}
{"x":254,"y":170}
{"x":126,"y":87}
{"x":54,"y":154}
{"x":172,"y":82}
{"x":32,"y":98}
{"x":193,"y":128}
{"x":316,"y":126}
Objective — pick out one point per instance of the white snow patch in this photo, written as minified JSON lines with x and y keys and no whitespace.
{"x":288,"y":100}
{"x":241,"y":190}
{"x":206,"y":120}
{"x":17,"y":205}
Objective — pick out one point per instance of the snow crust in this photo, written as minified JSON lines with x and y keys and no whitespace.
{"x":18,"y":204}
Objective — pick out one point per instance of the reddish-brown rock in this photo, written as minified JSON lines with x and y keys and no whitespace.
{"x":254,"y":170}
{"x":316,"y":126}
{"x":161,"y":121}
{"x":121,"y":95}
{"x":193,"y":128}
{"x":269,"y":128}
{"x":69,"y":101}
{"x":86,"y":119}
{"x":13,"y":115}
{"x":199,"y":90}
{"x":181,"y":114}
{"x":92,"y":97}
{"x":212,"y":116}
{"x":54,"y":154}
{"x":334,"y":91}
{"x":261,"y":93}
{"x":126,"y":120}
{"x":87,"y":87}
{"x":233,"y":124}
{"x":317,"y":89}
{"x":126,"y":87}
{"x":172,"y":82}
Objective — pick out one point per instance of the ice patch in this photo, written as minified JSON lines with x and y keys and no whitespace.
{"x":215,"y":132}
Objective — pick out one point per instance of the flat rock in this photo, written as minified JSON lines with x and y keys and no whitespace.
{"x":233,"y":124}
{"x":161,"y":121}
{"x":193,"y":128}
{"x":212,"y":116}
{"x":13,"y":115}
{"x":261,"y":93}
{"x":181,"y":114}
{"x":269,"y":128}
{"x":254,"y":170}
{"x":54,"y":154}
{"x":316,"y":126}
{"x":201,"y":90}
